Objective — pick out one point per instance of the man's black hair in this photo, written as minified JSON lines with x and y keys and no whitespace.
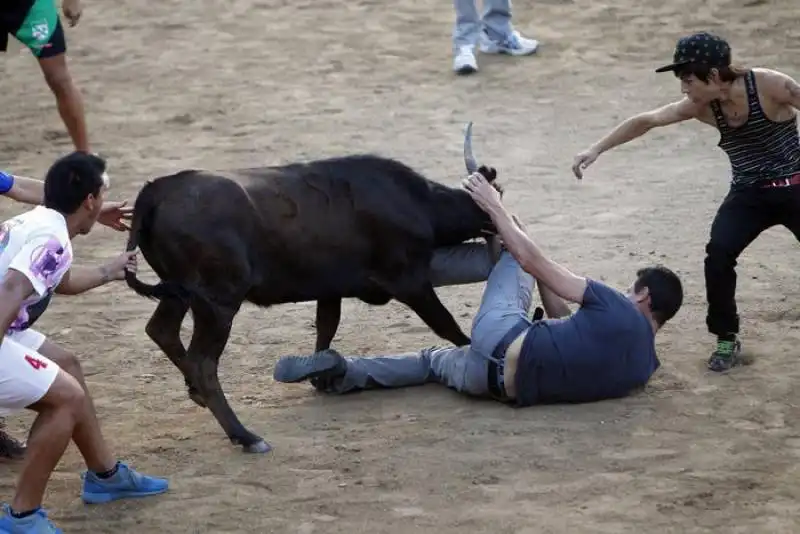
{"x":665,"y":289}
{"x":71,"y":179}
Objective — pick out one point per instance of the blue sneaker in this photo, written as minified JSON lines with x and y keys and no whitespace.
{"x":37,"y":523}
{"x":126,"y":483}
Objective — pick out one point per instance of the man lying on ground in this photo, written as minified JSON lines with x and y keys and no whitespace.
{"x":604,"y":350}
{"x":115,"y":215}
{"x":36,"y":261}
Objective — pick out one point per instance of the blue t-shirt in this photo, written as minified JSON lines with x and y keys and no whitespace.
{"x":603,"y":351}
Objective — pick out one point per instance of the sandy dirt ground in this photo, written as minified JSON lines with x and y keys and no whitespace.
{"x":171,"y":85}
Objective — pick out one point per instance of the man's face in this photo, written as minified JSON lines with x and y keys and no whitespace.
{"x":92,"y":207}
{"x":698,"y":91}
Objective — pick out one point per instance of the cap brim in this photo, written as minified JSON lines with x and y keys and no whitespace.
{"x":672,"y":66}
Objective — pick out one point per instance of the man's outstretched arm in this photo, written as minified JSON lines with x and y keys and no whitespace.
{"x":21,"y":188}
{"x":31,"y":191}
{"x":82,"y":279}
{"x":531,"y":258}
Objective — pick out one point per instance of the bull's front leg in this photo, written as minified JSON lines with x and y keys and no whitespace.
{"x":329,"y":313}
{"x":426,"y":304}
{"x":210,"y":336}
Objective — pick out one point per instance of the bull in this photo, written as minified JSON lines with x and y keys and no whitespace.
{"x":358,"y":226}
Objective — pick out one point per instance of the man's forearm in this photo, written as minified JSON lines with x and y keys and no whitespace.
{"x":518,"y":243}
{"x":554,"y":306}
{"x":7,"y":315}
{"x":27,"y":190}
{"x":82,"y":279}
{"x":626,"y":131}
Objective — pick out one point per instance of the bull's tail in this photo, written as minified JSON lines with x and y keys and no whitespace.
{"x":143,"y":213}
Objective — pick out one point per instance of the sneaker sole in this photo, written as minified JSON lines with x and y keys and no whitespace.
{"x":102,"y":498}
{"x":298,"y":369}
{"x":508,"y":52}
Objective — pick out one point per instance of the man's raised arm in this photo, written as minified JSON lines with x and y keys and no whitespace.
{"x":531,"y":258}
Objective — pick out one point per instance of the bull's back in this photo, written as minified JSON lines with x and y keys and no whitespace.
{"x":326,"y":203}
{"x":305,"y":231}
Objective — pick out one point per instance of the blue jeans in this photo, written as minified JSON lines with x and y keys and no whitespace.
{"x":506,"y":301}
{"x":495,"y":19}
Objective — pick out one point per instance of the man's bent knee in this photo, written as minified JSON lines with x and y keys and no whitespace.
{"x":65,"y":392}
{"x":63,"y":358}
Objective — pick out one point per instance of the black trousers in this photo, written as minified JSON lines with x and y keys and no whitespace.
{"x":743,"y":215}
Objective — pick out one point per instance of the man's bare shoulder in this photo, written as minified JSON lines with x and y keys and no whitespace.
{"x":771,"y":78}
{"x":777,"y":86}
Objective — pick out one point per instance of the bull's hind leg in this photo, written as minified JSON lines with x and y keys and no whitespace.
{"x":211,"y":331}
{"x":164,"y":328}
{"x":329,"y":313}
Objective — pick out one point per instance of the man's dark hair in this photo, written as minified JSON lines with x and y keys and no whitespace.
{"x":665,"y":289}
{"x":71,"y":179}
{"x":727,"y":73}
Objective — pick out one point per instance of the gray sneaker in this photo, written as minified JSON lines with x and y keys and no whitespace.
{"x":325,"y":364}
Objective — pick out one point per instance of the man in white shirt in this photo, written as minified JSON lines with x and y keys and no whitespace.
{"x":115,"y":215}
{"x":35,"y":262}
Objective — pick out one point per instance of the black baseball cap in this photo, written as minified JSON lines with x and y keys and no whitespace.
{"x":702,"y":48}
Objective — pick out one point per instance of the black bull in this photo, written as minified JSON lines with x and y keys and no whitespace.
{"x":359,"y":226}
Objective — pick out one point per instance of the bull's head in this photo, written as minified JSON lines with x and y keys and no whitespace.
{"x":490,"y":173}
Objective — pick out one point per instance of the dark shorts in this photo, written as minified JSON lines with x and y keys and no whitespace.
{"x":35,"y":24}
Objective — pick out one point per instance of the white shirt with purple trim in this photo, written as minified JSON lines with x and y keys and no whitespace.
{"x":36,"y":244}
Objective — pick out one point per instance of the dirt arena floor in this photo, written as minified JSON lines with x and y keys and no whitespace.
{"x":172,"y":84}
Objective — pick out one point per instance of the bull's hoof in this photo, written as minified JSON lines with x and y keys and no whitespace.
{"x":259,"y":447}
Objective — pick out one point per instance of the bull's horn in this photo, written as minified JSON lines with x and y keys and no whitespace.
{"x":469,"y":158}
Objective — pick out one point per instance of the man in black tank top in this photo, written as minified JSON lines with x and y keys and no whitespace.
{"x":754,"y":111}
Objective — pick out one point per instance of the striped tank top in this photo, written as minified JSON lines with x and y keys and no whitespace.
{"x":760,"y":149}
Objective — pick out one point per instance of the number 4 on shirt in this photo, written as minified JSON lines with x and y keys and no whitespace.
{"x":35,"y":362}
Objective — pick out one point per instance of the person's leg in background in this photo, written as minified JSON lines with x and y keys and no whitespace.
{"x":10,"y":448}
{"x":498,"y":35}
{"x":42,"y":32}
{"x":741,"y":217}
{"x":466,"y":32}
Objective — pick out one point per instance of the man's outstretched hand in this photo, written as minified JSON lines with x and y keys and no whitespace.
{"x":116,"y":215}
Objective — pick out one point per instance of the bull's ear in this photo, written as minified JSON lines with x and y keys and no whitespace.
{"x":490,"y":173}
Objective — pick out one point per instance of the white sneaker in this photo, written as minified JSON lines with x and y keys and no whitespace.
{"x":514,"y":45}
{"x":465,"y":62}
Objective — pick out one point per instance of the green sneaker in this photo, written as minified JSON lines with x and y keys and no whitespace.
{"x":727,"y":355}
